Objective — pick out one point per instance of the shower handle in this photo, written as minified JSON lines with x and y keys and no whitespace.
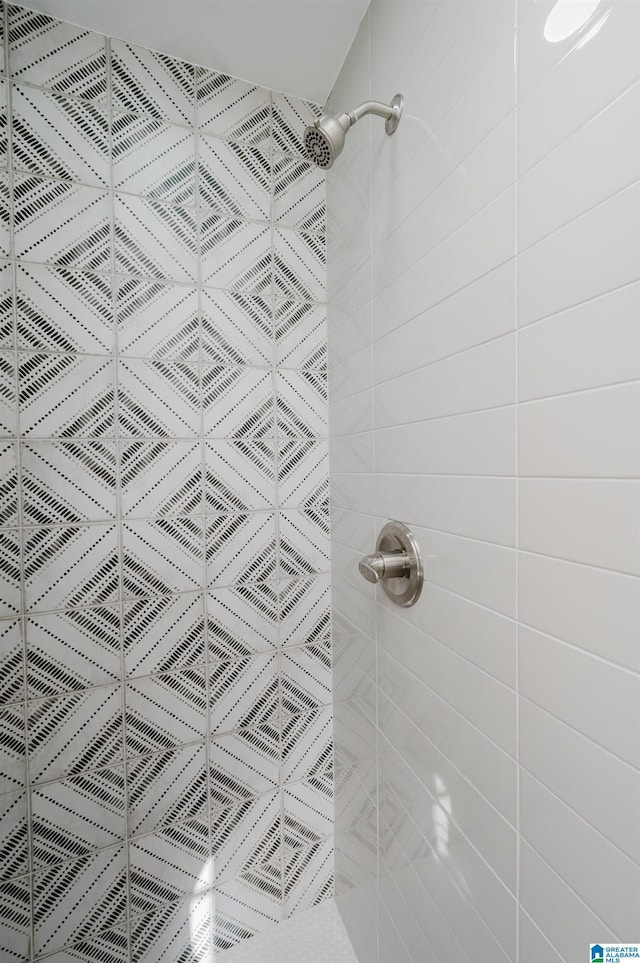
{"x":384,"y":565}
{"x":396,"y":565}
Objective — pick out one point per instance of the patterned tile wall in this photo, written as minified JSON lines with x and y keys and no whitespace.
{"x":165,"y":670}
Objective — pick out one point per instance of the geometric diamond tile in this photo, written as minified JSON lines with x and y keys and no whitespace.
{"x":238,"y":402}
{"x":66,"y":395}
{"x":234,"y":179}
{"x":290,"y":117}
{"x":65,"y":482}
{"x":8,"y":394}
{"x":180,"y":931}
{"x":11,"y":662}
{"x":308,"y":876}
{"x":169,"y":864}
{"x":5,"y":203}
{"x":4,"y":144}
{"x":247,"y":904}
{"x":9,"y":485}
{"x":236,"y":328}
{"x":15,"y":919}
{"x":157,"y":320}
{"x":56,"y":55}
{"x":236,"y":254}
{"x":302,"y":403}
{"x":6,"y":306}
{"x":299,"y":265}
{"x":243,"y":693}
{"x":58,"y":559}
{"x":305,"y":615}
{"x":240,"y":475}
{"x":10,"y":571}
{"x":242,"y":619}
{"x":307,"y":744}
{"x":166,"y":711}
{"x":74,"y":900}
{"x":308,"y":810}
{"x":304,"y":547}
{"x":72,"y":650}
{"x":303,"y":473}
{"x":243,"y":764}
{"x":165,"y":554}
{"x":154,"y":159}
{"x":159,"y":398}
{"x":306,"y":670}
{"x":301,"y":334}
{"x":299,"y":194}
{"x":155,"y":240}
{"x":152,"y":84}
{"x":64,"y":311}
{"x":12,"y":748}
{"x":14,"y":836}
{"x":56,"y":137}
{"x":232,"y":109}
{"x":160,"y":478}
{"x":245,"y":835}
{"x":163,"y":634}
{"x":107,"y":946}
{"x":62,"y":223}
{"x":165,"y":788}
{"x":75,"y":733}
{"x":76,"y":816}
{"x":240,"y":548}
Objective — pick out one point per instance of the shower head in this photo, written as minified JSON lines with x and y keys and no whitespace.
{"x":324,"y":140}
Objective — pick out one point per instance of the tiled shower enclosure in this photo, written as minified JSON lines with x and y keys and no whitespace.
{"x":165,"y":667}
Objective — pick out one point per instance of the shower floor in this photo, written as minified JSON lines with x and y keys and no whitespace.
{"x":315,"y":936}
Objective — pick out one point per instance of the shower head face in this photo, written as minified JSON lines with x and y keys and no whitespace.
{"x":324,"y":141}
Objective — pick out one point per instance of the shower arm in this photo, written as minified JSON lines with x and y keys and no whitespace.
{"x":390,"y":112}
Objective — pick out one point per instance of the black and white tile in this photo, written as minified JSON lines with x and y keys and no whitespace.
{"x":63,"y":311}
{"x":171,"y":389}
{"x":58,"y":137}
{"x":237,"y":328}
{"x":157,"y":320}
{"x":232,"y":109}
{"x":152,"y":84}
{"x":154,"y":159}
{"x":55,"y":55}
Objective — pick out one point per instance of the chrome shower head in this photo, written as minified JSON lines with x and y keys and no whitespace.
{"x":324,"y":140}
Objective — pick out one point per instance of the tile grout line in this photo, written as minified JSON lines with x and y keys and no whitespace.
{"x":19,"y":495}
{"x":516,"y":232}
{"x":118,"y":492}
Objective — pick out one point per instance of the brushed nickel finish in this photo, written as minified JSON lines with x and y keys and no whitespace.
{"x":396,"y":564}
{"x":324,"y":139}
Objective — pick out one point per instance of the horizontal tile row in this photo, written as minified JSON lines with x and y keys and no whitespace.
{"x":74,"y":396}
{"x":154,"y":916}
{"x":250,"y":756}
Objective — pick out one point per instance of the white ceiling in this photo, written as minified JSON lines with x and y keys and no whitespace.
{"x":294,"y":46}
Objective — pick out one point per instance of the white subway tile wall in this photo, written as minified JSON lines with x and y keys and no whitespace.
{"x":165,"y":664}
{"x":484,"y":370}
